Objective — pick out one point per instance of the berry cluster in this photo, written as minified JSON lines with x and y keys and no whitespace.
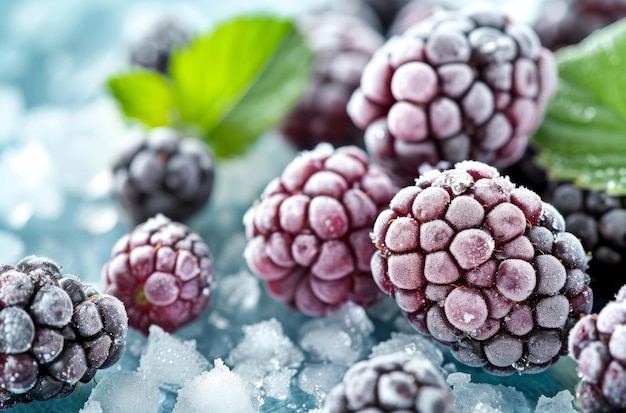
{"x":458,"y":85}
{"x":54,"y":332}
{"x":598,"y":344}
{"x":391,"y":383}
{"x":163,"y":272}
{"x":308,"y":235}
{"x":483,"y":266}
{"x":164,"y":174}
{"x":342,"y":46}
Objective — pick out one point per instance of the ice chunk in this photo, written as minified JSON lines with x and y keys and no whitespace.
{"x":169,"y":360}
{"x":342,"y":337}
{"x":485,"y":398}
{"x":91,"y":406}
{"x":263,"y":350}
{"x":135,"y":392}
{"x":238,"y":292}
{"x":217,"y":391}
{"x":12,"y":248}
{"x":561,"y":402}
{"x":317,"y":379}
{"x":276,"y":384}
{"x":411,"y":344}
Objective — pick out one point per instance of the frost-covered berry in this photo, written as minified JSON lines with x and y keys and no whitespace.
{"x":482,"y":266}
{"x":414,"y":12}
{"x":163,"y":273}
{"x":468,"y":84}
{"x":342,"y":46}
{"x":163,"y":174}
{"x":395,"y":382}
{"x":54,"y":332}
{"x":598,"y":344}
{"x":308,"y":234}
{"x":153,"y":49}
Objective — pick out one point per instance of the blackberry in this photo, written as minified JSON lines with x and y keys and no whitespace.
{"x":308,"y":235}
{"x":482,"y":266}
{"x":467,"y":84}
{"x":163,"y":174}
{"x":163,"y":273}
{"x":598,"y":344}
{"x":153,"y":49}
{"x":566,"y":22}
{"x":342,"y":46}
{"x":391,"y":383}
{"x":54,"y":332}
{"x":412,"y":13}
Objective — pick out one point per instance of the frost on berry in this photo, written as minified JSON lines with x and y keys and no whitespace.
{"x":484,"y":267}
{"x":455,"y":85}
{"x":597,"y":342}
{"x":391,"y":382}
{"x":308,"y":234}
{"x":163,"y":273}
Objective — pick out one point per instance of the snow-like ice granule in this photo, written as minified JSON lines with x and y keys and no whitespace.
{"x":485,"y":398}
{"x":124,"y":391}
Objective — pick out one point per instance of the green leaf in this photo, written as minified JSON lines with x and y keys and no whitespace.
{"x":240,"y":80}
{"x":143,"y":95}
{"x":583,"y":135}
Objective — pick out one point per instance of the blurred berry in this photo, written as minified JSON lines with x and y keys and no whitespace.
{"x":467,"y":84}
{"x":482,"y":266}
{"x":163,"y":272}
{"x":414,"y":12}
{"x":54,"y":332}
{"x":154,"y":48}
{"x":308,"y":235}
{"x":165,"y":174}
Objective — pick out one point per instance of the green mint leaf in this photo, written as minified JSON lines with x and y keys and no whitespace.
{"x":583,"y":135}
{"x":240,"y":80}
{"x":143,"y":95}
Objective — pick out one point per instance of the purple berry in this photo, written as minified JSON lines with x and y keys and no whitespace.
{"x":308,"y":234}
{"x":163,"y":174}
{"x":163,"y":273}
{"x":48,"y":327}
{"x":461,"y":252}
{"x":391,"y":382}
{"x":457,"y":85}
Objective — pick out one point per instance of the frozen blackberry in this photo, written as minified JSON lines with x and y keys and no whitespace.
{"x":482,"y":266}
{"x":163,"y":174}
{"x":395,"y":382}
{"x":152,"y":50}
{"x":414,"y":12}
{"x":467,"y":84}
{"x":308,"y":234}
{"x":163,"y":272}
{"x":566,"y":22}
{"x":342,"y":46}
{"x":598,"y":344}
{"x":54,"y":332}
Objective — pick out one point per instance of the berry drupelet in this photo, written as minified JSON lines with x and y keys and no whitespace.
{"x":308,"y":234}
{"x":467,"y":84}
{"x":482,"y":266}
{"x":163,"y":272}
{"x":165,"y":174}
{"x":54,"y":332}
{"x":342,"y":46}
{"x":598,"y":344}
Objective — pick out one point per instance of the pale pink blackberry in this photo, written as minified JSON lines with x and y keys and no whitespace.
{"x":163,"y":272}
{"x":395,"y":382}
{"x":482,"y":266}
{"x":598,"y":344}
{"x":54,"y":332}
{"x":342,"y":46}
{"x":308,"y":234}
{"x":468,"y":84}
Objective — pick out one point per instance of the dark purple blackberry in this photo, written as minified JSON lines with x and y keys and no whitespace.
{"x":163,"y":174}
{"x":342,"y":46}
{"x":467,"y":84}
{"x":308,"y":234}
{"x":154,"y":48}
{"x":567,"y":22}
{"x":395,"y":382}
{"x":598,"y":344}
{"x":54,"y":332}
{"x":163,"y":273}
{"x":482,"y":266}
